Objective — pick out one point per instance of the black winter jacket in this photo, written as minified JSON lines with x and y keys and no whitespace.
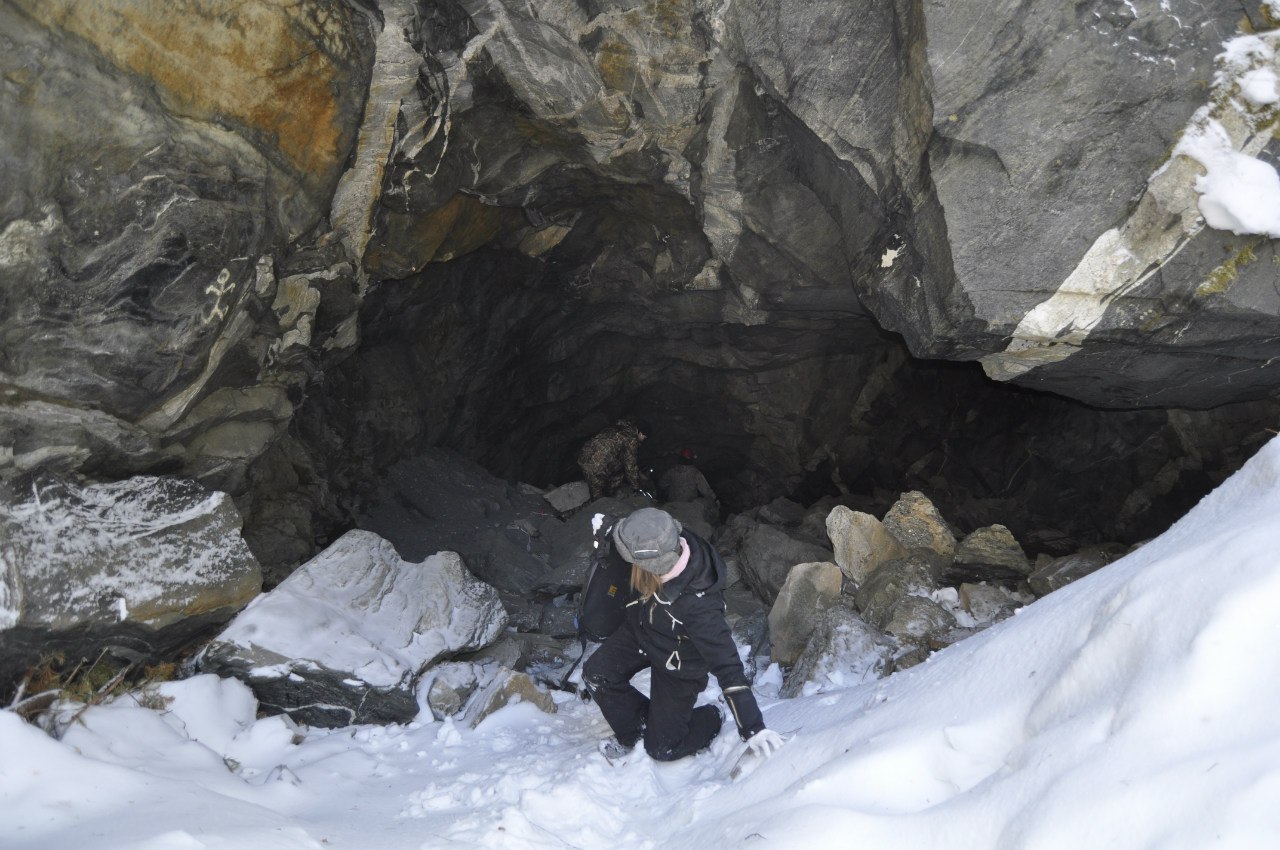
{"x":683,"y":631}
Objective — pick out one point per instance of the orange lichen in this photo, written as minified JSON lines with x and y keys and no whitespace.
{"x":617,"y":63}
{"x":671,"y":17}
{"x":275,"y":68}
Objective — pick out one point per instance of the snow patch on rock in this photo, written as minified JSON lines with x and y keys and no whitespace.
{"x":359,"y":608}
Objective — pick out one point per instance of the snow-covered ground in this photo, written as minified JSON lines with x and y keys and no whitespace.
{"x":1132,"y":709}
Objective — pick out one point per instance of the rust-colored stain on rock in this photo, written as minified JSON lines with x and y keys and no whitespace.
{"x":272,"y":66}
{"x":462,"y":225}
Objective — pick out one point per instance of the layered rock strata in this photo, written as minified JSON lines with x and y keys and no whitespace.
{"x":139,"y":569}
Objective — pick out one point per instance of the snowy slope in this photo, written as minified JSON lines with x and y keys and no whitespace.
{"x":1132,"y":709}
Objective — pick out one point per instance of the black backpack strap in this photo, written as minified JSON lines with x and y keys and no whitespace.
{"x":601,"y":546}
{"x":583,"y":693}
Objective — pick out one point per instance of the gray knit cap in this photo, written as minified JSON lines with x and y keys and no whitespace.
{"x":650,"y":539}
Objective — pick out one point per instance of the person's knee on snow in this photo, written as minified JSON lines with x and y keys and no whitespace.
{"x":691,"y":737}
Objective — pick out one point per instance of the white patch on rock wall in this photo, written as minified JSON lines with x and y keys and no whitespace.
{"x":392,"y":90}
{"x":222,"y":285}
{"x":10,"y":590}
{"x":1212,"y":178}
{"x":21,"y":243}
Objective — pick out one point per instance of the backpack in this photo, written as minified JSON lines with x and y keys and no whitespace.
{"x":607,"y":588}
{"x":605,"y":594}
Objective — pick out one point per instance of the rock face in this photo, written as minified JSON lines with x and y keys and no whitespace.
{"x":143,"y":566}
{"x":279,"y":247}
{"x":344,"y":638}
{"x":155,"y":190}
{"x":1122,"y":261}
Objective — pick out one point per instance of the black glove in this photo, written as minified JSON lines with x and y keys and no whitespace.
{"x":746,"y":713}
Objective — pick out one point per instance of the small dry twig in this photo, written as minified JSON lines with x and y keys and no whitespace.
{"x":102,"y":692}
{"x":31,"y":706}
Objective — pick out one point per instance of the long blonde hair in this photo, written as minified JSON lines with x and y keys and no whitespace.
{"x":644,"y":582}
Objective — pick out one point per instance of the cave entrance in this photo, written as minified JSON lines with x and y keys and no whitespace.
{"x":496,"y":356}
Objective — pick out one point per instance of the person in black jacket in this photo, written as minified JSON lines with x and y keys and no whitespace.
{"x":676,"y":627}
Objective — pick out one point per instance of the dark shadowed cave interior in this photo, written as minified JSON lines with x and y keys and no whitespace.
{"x":497,"y":356}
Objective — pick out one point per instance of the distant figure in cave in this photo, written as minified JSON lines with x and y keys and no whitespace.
{"x":684,"y":482}
{"x":609,"y":460}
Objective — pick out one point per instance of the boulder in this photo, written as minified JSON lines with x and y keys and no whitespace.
{"x":568,"y":497}
{"x":1052,"y":541}
{"x":144,"y":566}
{"x":918,"y":526}
{"x":987,"y":603}
{"x":508,"y":687}
{"x":445,"y":688}
{"x":948,"y":637}
{"x":1060,"y":572}
{"x":766,"y":555}
{"x":699,"y":516}
{"x":569,"y":542}
{"x":889,"y":584}
{"x":344,"y":638}
{"x":543,"y":657}
{"x":916,"y":620}
{"x":749,"y":625}
{"x":734,"y":573}
{"x":439,"y":501}
{"x":782,"y":512}
{"x":813,"y":527}
{"x":808,"y":590}
{"x":909,"y":656}
{"x":861,"y":542}
{"x":559,"y":617}
{"x":842,"y":652}
{"x":989,"y":554}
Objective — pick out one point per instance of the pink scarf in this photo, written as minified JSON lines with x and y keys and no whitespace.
{"x":680,"y":564}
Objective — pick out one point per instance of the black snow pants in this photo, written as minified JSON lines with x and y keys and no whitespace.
{"x":671,"y":726}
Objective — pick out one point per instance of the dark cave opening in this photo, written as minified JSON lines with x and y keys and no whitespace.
{"x":494,"y":356}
